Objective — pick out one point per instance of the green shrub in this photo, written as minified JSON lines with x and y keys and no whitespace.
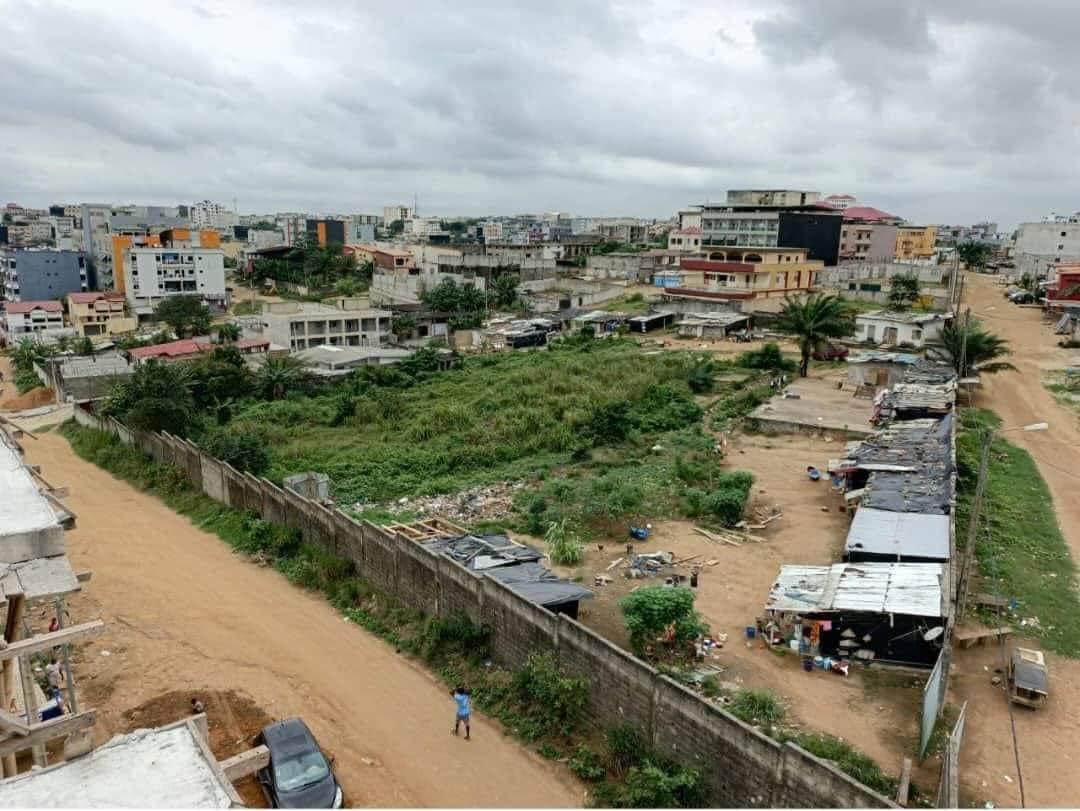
{"x":757,"y":707}
{"x":665,"y":408}
{"x":549,"y":703}
{"x":626,"y":748}
{"x":564,"y":549}
{"x":849,"y":760}
{"x":661,"y":785}
{"x":25,"y":380}
{"x":701,"y":376}
{"x":710,"y":686}
{"x":768,"y":357}
{"x":586,"y":764}
{"x":444,"y":636}
{"x":648,"y":611}
{"x":245,"y":450}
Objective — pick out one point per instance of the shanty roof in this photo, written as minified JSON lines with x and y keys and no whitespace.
{"x":917,"y":396}
{"x":650,"y":316}
{"x":716,"y":317}
{"x":903,"y":316}
{"x":878,"y":356}
{"x":21,"y":307}
{"x":516,"y":565}
{"x":902,"y":535}
{"x":910,"y":466}
{"x":149,"y":768}
{"x":912,"y":589}
{"x":930,"y":372}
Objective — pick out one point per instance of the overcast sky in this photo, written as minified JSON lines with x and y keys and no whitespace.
{"x":953,"y":111}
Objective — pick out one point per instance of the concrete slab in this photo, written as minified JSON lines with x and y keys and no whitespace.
{"x":820,"y":405}
{"x":150,"y":768}
{"x":28,"y":526}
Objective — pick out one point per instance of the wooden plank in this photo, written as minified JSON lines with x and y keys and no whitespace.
{"x":47,"y":731}
{"x":246,"y":763}
{"x":905,"y":783}
{"x":42,"y":642}
{"x":966,"y":638}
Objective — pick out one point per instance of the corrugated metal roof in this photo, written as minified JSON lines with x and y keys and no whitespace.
{"x":915,"y":535}
{"x":914,"y":589}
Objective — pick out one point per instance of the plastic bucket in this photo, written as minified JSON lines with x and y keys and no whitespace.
{"x":751,"y":631}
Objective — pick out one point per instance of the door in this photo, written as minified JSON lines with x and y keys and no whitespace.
{"x":890,"y":335}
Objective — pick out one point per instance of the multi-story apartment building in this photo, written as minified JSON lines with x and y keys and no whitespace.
{"x":1041,"y":245}
{"x":753,"y":279}
{"x":868,"y":242}
{"x":299,"y":325}
{"x":392,"y":213}
{"x":93,"y":314}
{"x":627,"y":230}
{"x":175,"y":263}
{"x":34,"y":274}
{"x":206,"y":215}
{"x":914,"y":242}
{"x":31,"y":319}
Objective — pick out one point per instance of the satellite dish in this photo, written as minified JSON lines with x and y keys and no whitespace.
{"x":933,"y":633}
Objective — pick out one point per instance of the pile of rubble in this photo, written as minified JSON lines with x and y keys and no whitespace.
{"x":478,"y":504}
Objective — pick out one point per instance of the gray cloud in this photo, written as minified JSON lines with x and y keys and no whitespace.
{"x":954,"y":113}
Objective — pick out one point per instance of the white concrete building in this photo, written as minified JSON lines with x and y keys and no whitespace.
{"x":154,"y":273}
{"x":209,"y":216}
{"x":1040,"y":244}
{"x":23,"y":319}
{"x":908,"y":328}
{"x":391,"y":213}
{"x":299,"y":325}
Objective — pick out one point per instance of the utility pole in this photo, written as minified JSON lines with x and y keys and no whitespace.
{"x":973,"y":526}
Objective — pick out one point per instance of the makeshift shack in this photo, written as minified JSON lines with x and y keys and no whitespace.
{"x":712,"y":325}
{"x":513,"y":564}
{"x":662,"y":319}
{"x":886,"y":612}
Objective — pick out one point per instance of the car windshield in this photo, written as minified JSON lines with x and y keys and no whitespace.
{"x":300,"y":770}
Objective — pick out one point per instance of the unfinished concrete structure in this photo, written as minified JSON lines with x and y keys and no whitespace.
{"x":167,"y":767}
{"x":34,"y":570}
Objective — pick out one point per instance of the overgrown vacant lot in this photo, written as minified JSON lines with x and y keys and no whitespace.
{"x":589,"y":410}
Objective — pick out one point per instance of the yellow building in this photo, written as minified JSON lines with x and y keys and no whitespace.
{"x":94,"y":314}
{"x":758,"y":278}
{"x":915,"y":241}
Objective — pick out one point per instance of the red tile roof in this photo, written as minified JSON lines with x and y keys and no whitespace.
{"x":28,"y":306}
{"x":189,"y":347}
{"x":85,"y":298}
{"x":867,"y":213}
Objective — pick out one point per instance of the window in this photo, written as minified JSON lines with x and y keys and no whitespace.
{"x":1061,"y":247}
{"x":916,"y":334}
{"x":1063,"y":233}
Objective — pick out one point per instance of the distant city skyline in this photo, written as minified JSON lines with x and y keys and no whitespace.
{"x":951,"y":113}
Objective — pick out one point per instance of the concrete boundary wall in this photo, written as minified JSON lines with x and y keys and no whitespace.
{"x":742,"y":767}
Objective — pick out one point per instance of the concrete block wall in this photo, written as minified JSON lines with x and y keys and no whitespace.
{"x":742,"y":767}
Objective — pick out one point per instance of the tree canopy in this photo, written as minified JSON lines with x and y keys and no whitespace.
{"x":156,"y":398}
{"x":187,"y":315}
{"x":812,"y":321}
{"x":974,"y":254}
{"x":904,"y":291}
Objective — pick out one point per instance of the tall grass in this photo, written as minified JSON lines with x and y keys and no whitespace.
{"x":494,"y":418}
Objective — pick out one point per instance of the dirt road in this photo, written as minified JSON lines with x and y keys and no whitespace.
{"x":1047,"y":737}
{"x":185,"y":613}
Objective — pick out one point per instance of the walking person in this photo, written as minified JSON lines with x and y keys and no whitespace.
{"x":53,"y":674}
{"x":464,"y":709}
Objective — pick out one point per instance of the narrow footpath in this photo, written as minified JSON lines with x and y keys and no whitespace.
{"x":186,"y":613}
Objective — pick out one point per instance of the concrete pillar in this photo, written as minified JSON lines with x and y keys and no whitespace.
{"x":12,"y":633}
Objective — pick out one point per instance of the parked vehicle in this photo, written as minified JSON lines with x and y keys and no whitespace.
{"x":299,"y":774}
{"x":832,"y":352}
{"x":1022,"y":297}
{"x":1029,"y":683}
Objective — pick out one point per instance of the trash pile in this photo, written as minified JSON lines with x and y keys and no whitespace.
{"x":649,"y":564}
{"x":480,"y":503}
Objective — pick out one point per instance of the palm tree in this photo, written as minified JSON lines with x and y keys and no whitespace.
{"x":278,"y":375}
{"x":26,"y":353}
{"x":967,"y":347}
{"x":228,"y":333}
{"x":813,"y":321}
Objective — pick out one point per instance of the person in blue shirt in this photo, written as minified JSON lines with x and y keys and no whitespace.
{"x":464,"y":709}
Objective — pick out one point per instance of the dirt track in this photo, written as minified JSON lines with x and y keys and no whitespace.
{"x":185,"y":613}
{"x":1047,"y":737}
